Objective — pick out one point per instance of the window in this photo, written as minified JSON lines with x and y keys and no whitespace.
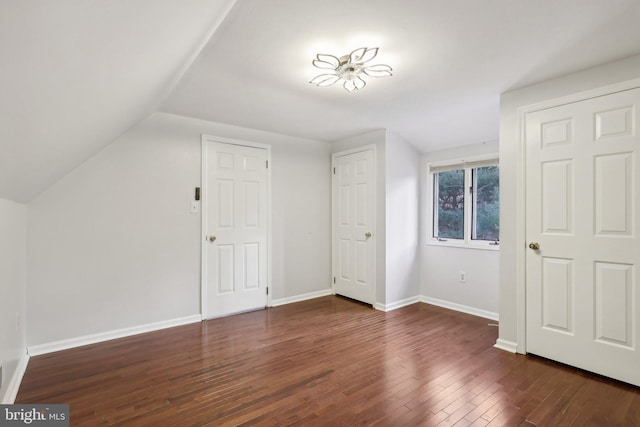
{"x":466,"y":205}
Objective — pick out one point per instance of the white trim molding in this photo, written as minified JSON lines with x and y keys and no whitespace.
{"x":461,"y":308}
{"x":14,"y":385}
{"x":467,"y":165}
{"x":51,"y":347}
{"x":374,"y":216}
{"x":396,"y":304}
{"x":302,"y":297}
{"x":506,"y":345}
{"x":204,"y":244}
{"x":521,"y":208}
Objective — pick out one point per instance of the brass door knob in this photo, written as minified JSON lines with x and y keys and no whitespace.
{"x":368,"y":234}
{"x":212,"y":239}
{"x":534,"y":245}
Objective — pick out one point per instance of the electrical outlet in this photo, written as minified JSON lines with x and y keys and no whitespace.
{"x":462,"y":276}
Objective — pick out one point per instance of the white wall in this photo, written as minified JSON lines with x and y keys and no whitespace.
{"x":377,"y":138}
{"x":13,"y":342}
{"x":441,"y":265}
{"x":113,"y":245}
{"x":402,"y":220}
{"x":511,"y":167}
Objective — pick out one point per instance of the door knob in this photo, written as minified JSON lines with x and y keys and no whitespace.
{"x":534,"y":245}
{"x":212,"y":239}
{"x":368,"y":234}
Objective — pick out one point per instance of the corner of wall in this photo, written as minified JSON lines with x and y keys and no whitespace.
{"x":441,"y":265}
{"x":511,"y":176}
{"x":402,"y":221}
{"x":13,"y":284}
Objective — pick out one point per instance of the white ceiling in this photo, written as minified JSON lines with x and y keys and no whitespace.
{"x":75,"y":74}
{"x":451,"y":61}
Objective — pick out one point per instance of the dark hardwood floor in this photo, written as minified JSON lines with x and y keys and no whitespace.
{"x":324,"y":362}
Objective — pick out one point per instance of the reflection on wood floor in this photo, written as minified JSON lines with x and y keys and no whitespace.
{"x":327,"y":362}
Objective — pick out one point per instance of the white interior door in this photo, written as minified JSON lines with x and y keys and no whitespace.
{"x":236,"y":227}
{"x":582,"y":188}
{"x":353,"y":225}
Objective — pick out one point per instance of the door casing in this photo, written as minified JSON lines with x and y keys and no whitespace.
{"x":206,"y":139}
{"x":521,"y":208}
{"x":374,"y":241}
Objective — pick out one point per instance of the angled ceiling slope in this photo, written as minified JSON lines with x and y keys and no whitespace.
{"x":75,"y":74}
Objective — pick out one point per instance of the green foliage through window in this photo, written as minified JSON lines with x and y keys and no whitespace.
{"x":486,"y":204}
{"x":450,"y":190}
{"x":467,"y":215}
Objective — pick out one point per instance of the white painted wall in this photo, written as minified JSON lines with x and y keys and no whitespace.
{"x":59,"y":109}
{"x":402,"y":220}
{"x":377,"y":138}
{"x":512,"y":213}
{"x":397,"y":216}
{"x":112,"y":245}
{"x":13,"y":342}
{"x":441,"y":265}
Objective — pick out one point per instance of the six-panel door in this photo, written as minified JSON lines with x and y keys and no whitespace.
{"x":236,"y":229}
{"x":353,"y":216}
{"x":582,"y":204}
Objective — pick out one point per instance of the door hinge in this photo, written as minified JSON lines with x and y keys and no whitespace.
{"x":334,"y":171}
{"x":471,"y":190}
{"x":334,"y":280}
{"x":267,"y":162}
{"x":267,"y":290}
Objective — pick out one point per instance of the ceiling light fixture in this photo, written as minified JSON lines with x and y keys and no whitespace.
{"x":349,"y":69}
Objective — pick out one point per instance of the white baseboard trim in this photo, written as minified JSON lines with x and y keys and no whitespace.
{"x":39,"y":349}
{"x":303,"y":297}
{"x":396,"y":304}
{"x":14,"y":385}
{"x":506,"y":345}
{"x":462,"y":308}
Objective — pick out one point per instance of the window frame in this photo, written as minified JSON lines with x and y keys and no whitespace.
{"x":467,"y":165}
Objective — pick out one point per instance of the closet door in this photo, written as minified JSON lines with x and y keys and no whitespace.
{"x":583,"y":208}
{"x":353,"y":225}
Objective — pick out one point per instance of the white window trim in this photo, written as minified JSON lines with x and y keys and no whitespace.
{"x":462,"y":163}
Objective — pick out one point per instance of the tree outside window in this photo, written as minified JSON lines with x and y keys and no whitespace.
{"x":486,"y":204}
{"x":471,"y":215}
{"x":450,"y":197}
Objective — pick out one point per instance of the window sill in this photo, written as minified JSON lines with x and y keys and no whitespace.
{"x":464,"y":245}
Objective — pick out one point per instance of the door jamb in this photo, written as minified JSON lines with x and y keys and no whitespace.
{"x":371,"y":147}
{"x":206,"y":139}
{"x":521,"y":208}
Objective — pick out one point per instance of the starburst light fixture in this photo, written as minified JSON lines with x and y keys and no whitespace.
{"x":349,"y":69}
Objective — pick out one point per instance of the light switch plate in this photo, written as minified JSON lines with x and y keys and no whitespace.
{"x":195,"y":207}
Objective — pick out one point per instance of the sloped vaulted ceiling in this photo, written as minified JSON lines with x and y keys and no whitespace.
{"x":74,"y":74}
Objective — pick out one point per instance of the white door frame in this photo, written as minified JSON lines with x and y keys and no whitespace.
{"x":521,"y":208}
{"x":204,"y":247}
{"x":374,"y":241}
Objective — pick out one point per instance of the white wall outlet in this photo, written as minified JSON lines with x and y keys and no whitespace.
{"x":195,"y":206}
{"x":462,"y":276}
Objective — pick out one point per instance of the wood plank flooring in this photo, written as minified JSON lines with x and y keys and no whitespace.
{"x":324,"y":362}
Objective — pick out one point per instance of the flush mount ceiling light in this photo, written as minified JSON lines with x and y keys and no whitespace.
{"x":349,"y":69}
